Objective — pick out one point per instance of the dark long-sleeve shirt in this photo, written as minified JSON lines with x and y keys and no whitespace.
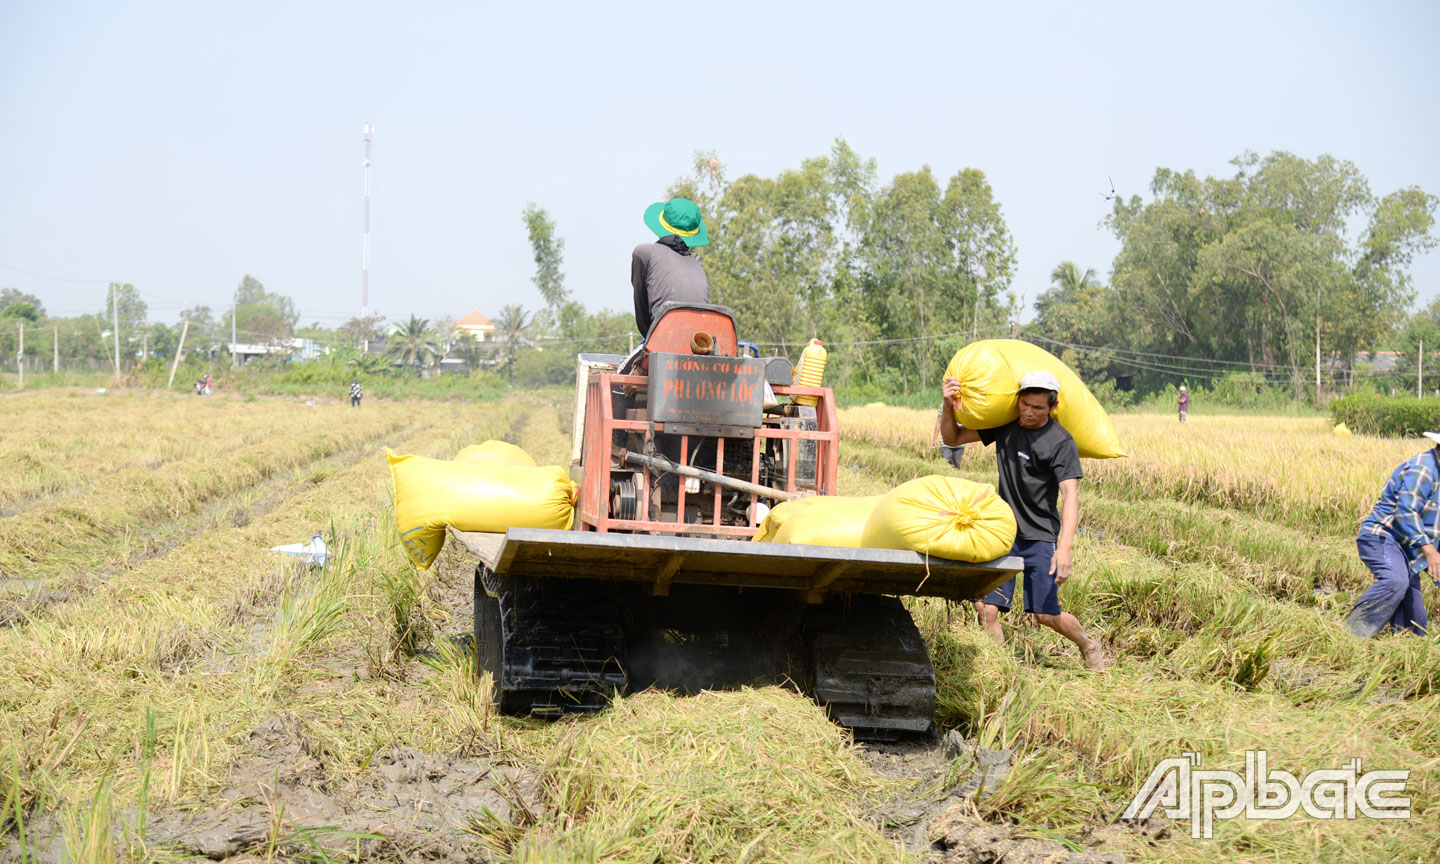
{"x":661,"y":274}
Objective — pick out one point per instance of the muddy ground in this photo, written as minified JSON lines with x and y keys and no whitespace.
{"x":283,"y":801}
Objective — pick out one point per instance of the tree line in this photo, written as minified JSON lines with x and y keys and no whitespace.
{"x":1262,"y":272}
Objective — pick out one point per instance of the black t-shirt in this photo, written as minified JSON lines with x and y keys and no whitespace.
{"x":1032,"y":464}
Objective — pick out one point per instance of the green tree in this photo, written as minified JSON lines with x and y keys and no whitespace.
{"x":1076,"y":310}
{"x":549,"y":251}
{"x":362,"y":331}
{"x":512,"y":333}
{"x":414,"y":344}
{"x":260,"y":316}
{"x":1259,"y":269}
{"x":15,"y":303}
{"x":132,"y":310}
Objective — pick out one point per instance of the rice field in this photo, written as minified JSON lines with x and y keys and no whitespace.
{"x":172,"y":690}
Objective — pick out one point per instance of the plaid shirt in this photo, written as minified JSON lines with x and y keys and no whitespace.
{"x":1409,"y":507}
{"x":355,"y":390}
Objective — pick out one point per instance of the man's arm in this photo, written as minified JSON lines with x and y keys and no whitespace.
{"x":638,"y":272}
{"x":1069,"y":520}
{"x":1416,"y":489}
{"x":951,"y":432}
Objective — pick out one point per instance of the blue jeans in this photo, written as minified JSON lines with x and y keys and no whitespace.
{"x":1394,"y":598}
{"x":1042,"y":595}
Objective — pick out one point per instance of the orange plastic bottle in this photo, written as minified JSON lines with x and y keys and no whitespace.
{"x":812,"y":370}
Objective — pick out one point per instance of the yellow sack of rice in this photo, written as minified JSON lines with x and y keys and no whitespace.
{"x":1341,"y":429}
{"x":819,"y":520}
{"x":473,"y":496}
{"x":989,"y":373}
{"x":946,"y":517}
{"x":502,"y":452}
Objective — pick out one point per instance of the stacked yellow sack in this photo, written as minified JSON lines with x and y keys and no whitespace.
{"x":819,"y":520}
{"x":500,"y":452}
{"x":942,"y":516}
{"x":989,"y":373}
{"x":487,"y":495}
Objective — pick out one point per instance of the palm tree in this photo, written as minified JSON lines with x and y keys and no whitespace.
{"x":414,"y":343}
{"x":1072,"y":283}
{"x":512,"y":331}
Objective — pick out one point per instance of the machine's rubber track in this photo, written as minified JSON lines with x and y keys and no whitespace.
{"x":871,"y":668}
{"x":552,"y":649}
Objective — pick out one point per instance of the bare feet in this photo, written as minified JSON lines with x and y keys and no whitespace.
{"x":1094,"y":659}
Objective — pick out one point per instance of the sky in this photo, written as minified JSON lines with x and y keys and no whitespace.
{"x":179,"y":146}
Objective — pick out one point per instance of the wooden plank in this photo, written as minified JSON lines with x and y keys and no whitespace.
{"x":486,"y":547}
{"x":667,"y":572}
{"x":824,"y":578}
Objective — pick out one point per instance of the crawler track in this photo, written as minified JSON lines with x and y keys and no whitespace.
{"x":871,"y":668}
{"x":552,"y":649}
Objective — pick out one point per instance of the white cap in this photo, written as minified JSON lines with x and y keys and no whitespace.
{"x":1433,"y":436}
{"x":1039,"y":380}
{"x":1182,"y":386}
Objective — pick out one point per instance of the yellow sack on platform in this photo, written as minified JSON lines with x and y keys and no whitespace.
{"x":943,"y":516}
{"x":473,"y":496}
{"x":496,"y":451}
{"x":989,"y":373}
{"x":818,"y":520}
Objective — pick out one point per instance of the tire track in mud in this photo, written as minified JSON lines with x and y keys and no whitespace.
{"x":166,"y":536}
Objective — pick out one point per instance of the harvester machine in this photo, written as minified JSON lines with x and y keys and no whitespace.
{"x":679,"y":451}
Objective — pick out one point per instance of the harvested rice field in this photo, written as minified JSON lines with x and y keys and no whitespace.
{"x":171,"y":690}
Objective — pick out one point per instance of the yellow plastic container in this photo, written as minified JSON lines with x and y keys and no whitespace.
{"x":812,"y":370}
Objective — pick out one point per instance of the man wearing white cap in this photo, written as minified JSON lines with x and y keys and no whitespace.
{"x":1038,"y":463}
{"x":1397,"y":541}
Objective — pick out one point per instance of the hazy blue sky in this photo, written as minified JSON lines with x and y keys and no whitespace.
{"x":179,"y":146}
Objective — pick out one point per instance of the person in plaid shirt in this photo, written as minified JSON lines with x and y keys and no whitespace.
{"x":1397,"y":541}
{"x":355,"y":393}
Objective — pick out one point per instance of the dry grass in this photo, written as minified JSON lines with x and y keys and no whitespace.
{"x":1199,"y":567}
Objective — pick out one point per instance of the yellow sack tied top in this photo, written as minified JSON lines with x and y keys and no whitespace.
{"x":487,"y":495}
{"x":502,"y":452}
{"x":818,"y":520}
{"x":946,"y":517}
{"x":989,"y":372}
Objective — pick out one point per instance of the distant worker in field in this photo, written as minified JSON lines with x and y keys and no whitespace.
{"x":356,"y":394}
{"x":953,"y":455}
{"x":1397,"y":541}
{"x":1184,"y":403}
{"x":1038,"y":461}
{"x":665,"y":271}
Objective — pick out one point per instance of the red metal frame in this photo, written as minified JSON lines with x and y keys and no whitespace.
{"x":599,"y":462}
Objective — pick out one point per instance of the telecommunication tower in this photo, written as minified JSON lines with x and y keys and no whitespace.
{"x":365,"y":269}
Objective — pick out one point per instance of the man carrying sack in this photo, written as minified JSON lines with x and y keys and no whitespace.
{"x":1038,"y":462}
{"x":665,"y":271}
{"x":1397,"y":540}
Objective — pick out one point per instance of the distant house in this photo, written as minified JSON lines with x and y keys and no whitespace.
{"x":294,"y":349}
{"x":476,"y":325}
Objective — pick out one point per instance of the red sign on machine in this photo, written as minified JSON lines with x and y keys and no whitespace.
{"x":698,"y":389}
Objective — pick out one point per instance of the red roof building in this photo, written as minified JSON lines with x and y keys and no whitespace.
{"x":476,"y":325}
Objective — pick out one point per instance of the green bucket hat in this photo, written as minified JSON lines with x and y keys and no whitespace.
{"x":679,"y":217}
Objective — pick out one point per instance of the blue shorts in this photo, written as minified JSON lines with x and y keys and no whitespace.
{"x":1042,"y":595}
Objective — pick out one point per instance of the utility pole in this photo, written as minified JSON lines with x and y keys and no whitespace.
{"x":1317,"y":355}
{"x":115,"y":311}
{"x":1420,"y":372}
{"x":57,"y":350}
{"x":234,"y":309}
{"x":178,"y":348}
{"x":20,"y":358}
